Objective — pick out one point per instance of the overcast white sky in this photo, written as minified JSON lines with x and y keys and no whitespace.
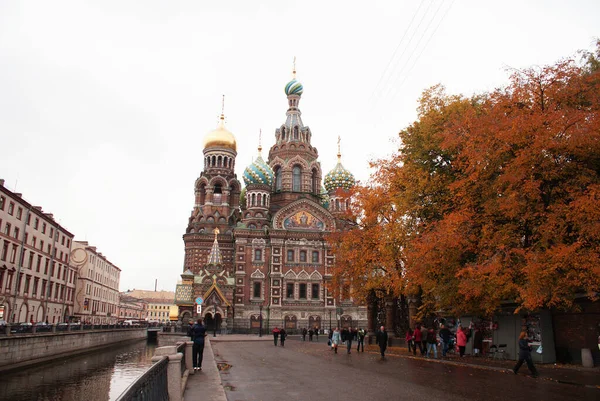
{"x":104,"y":104}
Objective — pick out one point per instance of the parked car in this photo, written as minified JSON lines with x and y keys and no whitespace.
{"x":21,"y":328}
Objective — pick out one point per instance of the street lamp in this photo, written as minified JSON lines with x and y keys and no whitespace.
{"x":260,"y":321}
{"x":215,"y":319}
{"x":330,"y":321}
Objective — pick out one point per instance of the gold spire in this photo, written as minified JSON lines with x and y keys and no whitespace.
{"x":259,"y":141}
{"x":216,"y":232}
{"x":221,"y":137}
{"x":294,"y":71}
{"x":223,"y":108}
{"x":339,"y":155}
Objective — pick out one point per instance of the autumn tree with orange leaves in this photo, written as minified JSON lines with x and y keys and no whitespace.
{"x":490,"y":199}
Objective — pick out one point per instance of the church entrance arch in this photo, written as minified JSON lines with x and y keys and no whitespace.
{"x":291,"y":322}
{"x":314,"y":321}
{"x":346,"y":321}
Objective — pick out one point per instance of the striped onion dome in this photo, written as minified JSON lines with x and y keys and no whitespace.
{"x":294,"y":88}
{"x":259,"y":172}
{"x":339,"y":177}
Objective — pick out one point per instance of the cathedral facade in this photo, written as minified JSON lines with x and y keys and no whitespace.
{"x":258,"y":256}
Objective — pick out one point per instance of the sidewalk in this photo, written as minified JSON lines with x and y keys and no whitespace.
{"x":567,"y":374}
{"x":205,"y":385}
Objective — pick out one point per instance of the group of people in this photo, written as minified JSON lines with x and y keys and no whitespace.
{"x":311,"y":333}
{"x":279,"y":334}
{"x":346,"y":336}
{"x":426,"y":340}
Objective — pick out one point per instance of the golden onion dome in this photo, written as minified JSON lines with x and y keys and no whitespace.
{"x":220,"y":137}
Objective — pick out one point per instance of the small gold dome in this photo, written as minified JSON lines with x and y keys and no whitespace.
{"x":220,"y":137}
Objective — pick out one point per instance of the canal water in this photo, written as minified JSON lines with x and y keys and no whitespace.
{"x":99,"y":376}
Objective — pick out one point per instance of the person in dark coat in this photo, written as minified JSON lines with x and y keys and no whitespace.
{"x":525,"y":355}
{"x":310,"y":334}
{"x":317,"y":334}
{"x":304,"y":332}
{"x":282,"y":336}
{"x":477,"y":341}
{"x":275,"y":335}
{"x":382,"y":340}
{"x":445,"y":336}
{"x":198,"y":332}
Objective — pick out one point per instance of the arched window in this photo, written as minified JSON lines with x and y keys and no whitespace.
{"x":253,"y":203}
{"x":283,"y":133}
{"x":337,"y":204}
{"x":278,"y":179}
{"x":296,"y":179}
{"x":296,"y":133}
{"x":217,"y":194}
{"x":214,"y":161}
{"x":315,"y":182}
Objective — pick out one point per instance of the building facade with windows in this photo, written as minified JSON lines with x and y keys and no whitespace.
{"x":97,"y":298}
{"x":265,"y":261}
{"x":131,"y":308}
{"x":37,"y":280}
{"x":160,"y":304}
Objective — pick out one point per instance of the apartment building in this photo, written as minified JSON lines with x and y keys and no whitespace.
{"x":97,"y":299}
{"x":159,"y":304}
{"x":37,"y":282}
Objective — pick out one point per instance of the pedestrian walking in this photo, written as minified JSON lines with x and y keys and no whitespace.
{"x":360,"y":339}
{"x":304,"y":331}
{"x":344,"y":334}
{"x":445,"y":336}
{"x":198,"y":333}
{"x":335,"y":339}
{"x":317,"y":334}
{"x":409,"y":339}
{"x":525,"y":355}
{"x":423,"y":339}
{"x":461,"y":340}
{"x":310,"y":334}
{"x":349,"y":338}
{"x":382,"y":340}
{"x":431,"y":343}
{"x":418,"y":340}
{"x":275,"y":335}
{"x":282,"y":336}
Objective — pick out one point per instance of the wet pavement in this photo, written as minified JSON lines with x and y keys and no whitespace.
{"x":310,"y":370}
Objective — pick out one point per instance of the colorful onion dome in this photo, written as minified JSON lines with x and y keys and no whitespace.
{"x":220,"y":137}
{"x":259,"y":172}
{"x":294,"y":88}
{"x":339,"y":177}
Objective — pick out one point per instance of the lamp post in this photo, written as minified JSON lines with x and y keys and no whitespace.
{"x":260,"y":321}
{"x":215,"y":320}
{"x":330,"y":321}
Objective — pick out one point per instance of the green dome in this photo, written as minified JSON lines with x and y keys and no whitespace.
{"x":259,"y":172}
{"x":294,"y":88}
{"x":339,"y":177}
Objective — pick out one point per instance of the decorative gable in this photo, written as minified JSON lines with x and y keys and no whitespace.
{"x":304,"y":215}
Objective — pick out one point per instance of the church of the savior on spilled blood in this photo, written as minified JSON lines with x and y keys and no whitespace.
{"x":258,"y":256}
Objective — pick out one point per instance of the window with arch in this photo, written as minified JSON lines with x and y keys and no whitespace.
{"x":283,"y":133}
{"x":217,"y":194}
{"x":278,"y":178}
{"x":258,"y":255}
{"x":296,"y":178}
{"x":314,"y":182}
{"x":296,"y":133}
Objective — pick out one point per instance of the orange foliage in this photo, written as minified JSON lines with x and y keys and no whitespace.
{"x":490,"y":199}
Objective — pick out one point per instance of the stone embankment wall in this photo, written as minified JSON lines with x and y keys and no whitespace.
{"x":20,"y":351}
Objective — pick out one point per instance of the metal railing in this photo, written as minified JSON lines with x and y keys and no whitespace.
{"x":28,"y":329}
{"x":151,"y":386}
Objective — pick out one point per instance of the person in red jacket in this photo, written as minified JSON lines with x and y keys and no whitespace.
{"x":461,"y":340}
{"x":418,"y":340}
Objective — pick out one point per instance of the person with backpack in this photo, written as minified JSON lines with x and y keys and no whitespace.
{"x":360,"y":336}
